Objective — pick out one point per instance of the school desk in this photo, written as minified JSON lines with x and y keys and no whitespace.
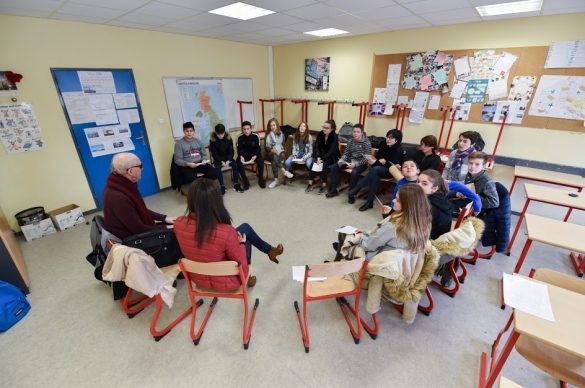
{"x":564,"y":334}
{"x":557,"y":178}
{"x":558,"y":197}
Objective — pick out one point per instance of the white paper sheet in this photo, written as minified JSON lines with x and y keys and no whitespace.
{"x":97,"y":81}
{"x":462,"y":68}
{"x":420,"y":101}
{"x":298,"y":274}
{"x":402,"y":100}
{"x":515,"y":110}
{"x":458,"y":89}
{"x":125,"y":100}
{"x":379,"y":95}
{"x":528,"y":296}
{"x":109,"y":139}
{"x":566,"y":54}
{"x":393,"y":75}
{"x":101,"y":101}
{"x":317,"y":167}
{"x":504,"y":64}
{"x":106,"y":116}
{"x":434,"y":102}
{"x":462,"y":109}
{"x":347,"y":229}
{"x":128,"y":116}
{"x":78,"y":107}
{"x":416,"y":116}
{"x":498,"y":88}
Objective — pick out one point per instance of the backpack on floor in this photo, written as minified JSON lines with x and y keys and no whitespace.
{"x":13,"y":306}
{"x":345,"y":132}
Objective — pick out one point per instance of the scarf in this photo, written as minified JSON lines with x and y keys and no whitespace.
{"x":459,"y":156}
{"x":130,"y":189}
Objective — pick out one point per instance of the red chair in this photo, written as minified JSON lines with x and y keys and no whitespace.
{"x":338,"y":286}
{"x":220,"y":268}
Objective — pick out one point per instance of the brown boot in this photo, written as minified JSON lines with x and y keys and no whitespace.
{"x":251,"y":281}
{"x":275,"y":251}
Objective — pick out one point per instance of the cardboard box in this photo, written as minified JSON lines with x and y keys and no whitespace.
{"x":38,"y":229}
{"x":67,"y":217}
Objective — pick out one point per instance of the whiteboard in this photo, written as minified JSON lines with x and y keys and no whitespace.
{"x":234,"y":89}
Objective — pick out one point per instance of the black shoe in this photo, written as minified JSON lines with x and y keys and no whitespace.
{"x":309,"y":188}
{"x":222,"y":190}
{"x":350,"y":199}
{"x":238,"y":188}
{"x":246,"y":184}
{"x":332,"y":193}
{"x":353,"y":192}
{"x":366,"y":206}
{"x":262,"y":184}
{"x":322,"y":190}
{"x":335,"y":246}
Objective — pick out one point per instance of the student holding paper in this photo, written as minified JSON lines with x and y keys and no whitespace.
{"x":248,"y":145}
{"x":191,"y":157}
{"x":356,"y":156}
{"x":302,"y":148}
{"x":275,"y":151}
{"x":326,"y":155}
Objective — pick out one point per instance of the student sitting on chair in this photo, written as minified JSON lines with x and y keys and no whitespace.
{"x":389,"y":154}
{"x":302,"y":148}
{"x":409,"y":173}
{"x":191,"y":157}
{"x":249,"y":152}
{"x":222,"y":151}
{"x":357,"y":153}
{"x":426,"y":155}
{"x":480,"y":182}
{"x":456,"y":167}
{"x":206,"y":234}
{"x":326,"y":154}
{"x":274,"y":149}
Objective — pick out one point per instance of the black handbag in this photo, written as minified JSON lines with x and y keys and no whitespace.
{"x":160,"y":244}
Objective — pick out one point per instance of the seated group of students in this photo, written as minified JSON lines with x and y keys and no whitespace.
{"x":416,"y":213}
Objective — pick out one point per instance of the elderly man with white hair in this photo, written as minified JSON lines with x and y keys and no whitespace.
{"x":125,"y":212}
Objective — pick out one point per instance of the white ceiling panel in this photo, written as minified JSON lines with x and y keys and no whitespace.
{"x":405,"y":22}
{"x":315,"y":12}
{"x":563,"y":10}
{"x":88,"y":10}
{"x":278,"y":20}
{"x":24,"y":12}
{"x":167,"y":11}
{"x":140,"y":26}
{"x":31,"y":5}
{"x":307,"y":26}
{"x":393,"y":11}
{"x":148,"y":20}
{"x":124,"y":5}
{"x":427,"y":6}
{"x":245,"y":27}
{"x":280,"y":5}
{"x":204,"y":20}
{"x":512,"y":16}
{"x":464,"y":15}
{"x":200,"y":5}
{"x":78,"y":18}
{"x":353,"y":6}
{"x":564,"y":4}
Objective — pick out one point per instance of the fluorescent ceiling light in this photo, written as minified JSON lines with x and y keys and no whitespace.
{"x":241,"y":11}
{"x":506,"y":8}
{"x":326,"y":32}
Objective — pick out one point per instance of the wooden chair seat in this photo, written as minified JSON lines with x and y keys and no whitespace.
{"x":333,"y":285}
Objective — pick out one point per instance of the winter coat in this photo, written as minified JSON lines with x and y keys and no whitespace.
{"x":392,"y":155}
{"x":426,"y":162}
{"x":248,"y":146}
{"x":327,"y":150}
{"x":498,"y":221}
{"x":222,"y":150}
{"x":223,"y":245}
{"x":486,"y":189}
{"x":441,"y":210}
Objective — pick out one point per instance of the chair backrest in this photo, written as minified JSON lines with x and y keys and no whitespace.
{"x":465,"y":212}
{"x":218,"y":268}
{"x":337,"y":268}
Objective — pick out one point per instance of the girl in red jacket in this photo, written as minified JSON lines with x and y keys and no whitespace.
{"x":207,"y":235}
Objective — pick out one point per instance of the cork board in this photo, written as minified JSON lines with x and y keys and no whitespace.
{"x":530,"y":62}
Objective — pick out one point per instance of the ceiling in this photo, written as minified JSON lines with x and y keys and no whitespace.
{"x":292,"y":17}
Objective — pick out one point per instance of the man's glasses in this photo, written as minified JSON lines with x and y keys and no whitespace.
{"x":137,"y":166}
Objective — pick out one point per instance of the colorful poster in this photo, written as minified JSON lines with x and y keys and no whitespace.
{"x":377,"y":108}
{"x":317,"y":73}
{"x":19,"y":129}
{"x":522,"y":88}
{"x":476,"y":90}
{"x":427,"y":71}
{"x":559,"y":96}
{"x":488,"y":111}
{"x":109,"y":140}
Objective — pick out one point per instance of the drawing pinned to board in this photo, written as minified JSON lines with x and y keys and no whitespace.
{"x":317,"y":73}
{"x":19,"y":129}
{"x":515,"y":111}
{"x":488,"y":111}
{"x":559,"y":96}
{"x":107,"y":140}
{"x":476,"y":90}
{"x":427,"y":71}
{"x":377,"y":108}
{"x":566,"y":54}
{"x":522,"y":88}
{"x":462,"y":109}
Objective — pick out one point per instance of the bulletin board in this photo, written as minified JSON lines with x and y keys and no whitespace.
{"x":530,"y":62}
{"x":233,"y":89}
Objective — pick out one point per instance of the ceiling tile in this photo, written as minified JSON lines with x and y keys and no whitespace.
{"x":92,"y":11}
{"x":564,"y":10}
{"x":394,"y":11}
{"x":512,"y":16}
{"x":79,"y":18}
{"x":46,"y":6}
{"x":306,"y":26}
{"x":245,"y":26}
{"x":147,"y":20}
{"x":200,"y":5}
{"x":464,"y":15}
{"x":278,"y":20}
{"x":405,"y":22}
{"x":124,"y":5}
{"x":564,"y":4}
{"x":203,"y":21}
{"x":139,"y":26}
{"x":280,"y":5}
{"x":426,"y":6}
{"x":314,"y":12}
{"x":353,"y":6}
{"x":167,"y":11}
{"x":24,"y":12}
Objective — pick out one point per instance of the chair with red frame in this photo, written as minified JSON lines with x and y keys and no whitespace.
{"x":338,"y":286}
{"x":220,"y":268}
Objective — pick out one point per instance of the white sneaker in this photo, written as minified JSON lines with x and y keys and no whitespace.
{"x":273,"y":184}
{"x":288,"y":174}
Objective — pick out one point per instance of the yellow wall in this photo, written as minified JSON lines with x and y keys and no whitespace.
{"x":54,"y":177}
{"x":350,"y":78}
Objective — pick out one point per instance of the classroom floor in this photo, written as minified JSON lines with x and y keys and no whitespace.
{"x":76,"y":335}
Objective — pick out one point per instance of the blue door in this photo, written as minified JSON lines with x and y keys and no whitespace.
{"x":124,"y":103}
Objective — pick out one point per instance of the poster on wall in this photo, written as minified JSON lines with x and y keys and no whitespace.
{"x":7,"y":88}
{"x":110,"y":139}
{"x":559,"y":96}
{"x":427,"y":71}
{"x":19,"y":129}
{"x":317,"y":73}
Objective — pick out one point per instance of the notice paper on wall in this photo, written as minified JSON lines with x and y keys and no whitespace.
{"x":566,"y":54}
{"x":392,"y":83}
{"x":109,"y":139}
{"x":78,"y":107}
{"x":434,"y":102}
{"x":97,"y":82}
{"x":125,"y":100}
{"x":462,"y":109}
{"x":19,"y":129}
{"x":515,"y":111}
{"x":528,"y":296}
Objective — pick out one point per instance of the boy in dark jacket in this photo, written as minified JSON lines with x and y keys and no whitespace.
{"x":483,"y":184}
{"x":222,"y":153}
{"x":249,"y":152}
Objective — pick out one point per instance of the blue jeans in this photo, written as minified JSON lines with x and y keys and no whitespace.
{"x":289,"y":163}
{"x":355,"y":175}
{"x":234,"y":173}
{"x":252,"y":239}
{"x":372,"y":181}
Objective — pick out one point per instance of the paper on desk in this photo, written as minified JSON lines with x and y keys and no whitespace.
{"x":298,"y":274}
{"x":347,"y":229}
{"x":248,"y":162}
{"x":527,"y":296}
{"x":317,"y":167}
{"x":298,"y":160}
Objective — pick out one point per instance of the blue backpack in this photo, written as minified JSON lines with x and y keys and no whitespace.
{"x":13,"y":306}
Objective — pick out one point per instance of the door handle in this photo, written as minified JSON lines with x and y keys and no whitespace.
{"x":141,"y":137}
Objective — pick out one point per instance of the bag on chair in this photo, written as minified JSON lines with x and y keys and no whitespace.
{"x":160,"y":244}
{"x":13,"y":306}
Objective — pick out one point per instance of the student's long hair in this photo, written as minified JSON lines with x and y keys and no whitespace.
{"x":205,"y":204}
{"x":413,"y":223}
{"x":302,"y":138}
{"x":430,"y":141}
{"x":278,"y":132}
{"x":437,"y":180}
